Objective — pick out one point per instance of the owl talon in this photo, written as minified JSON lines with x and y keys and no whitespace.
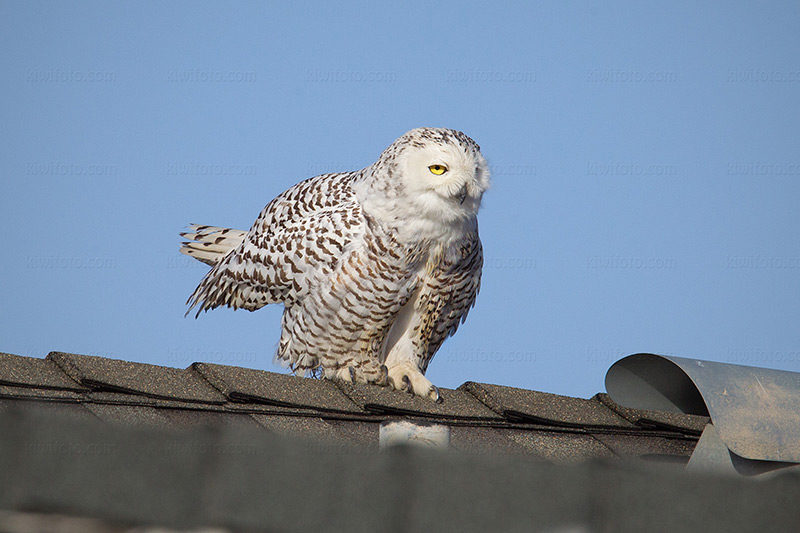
{"x":407,"y":377}
{"x":383,"y":376}
{"x":434,"y":395}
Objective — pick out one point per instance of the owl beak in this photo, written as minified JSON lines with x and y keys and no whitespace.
{"x":462,"y":195}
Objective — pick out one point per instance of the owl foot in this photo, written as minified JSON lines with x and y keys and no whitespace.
{"x":377,"y":374}
{"x":406,"y":377}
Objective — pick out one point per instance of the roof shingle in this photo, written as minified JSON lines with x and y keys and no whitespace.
{"x":100,"y":373}
{"x":543,"y":408}
{"x":36,"y":373}
{"x":647,"y":418}
{"x":245,"y":385}
{"x":456,"y":404}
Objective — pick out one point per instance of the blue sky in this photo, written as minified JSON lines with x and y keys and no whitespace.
{"x":646,"y":162}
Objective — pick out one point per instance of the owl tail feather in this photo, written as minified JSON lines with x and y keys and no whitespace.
{"x":210,"y":244}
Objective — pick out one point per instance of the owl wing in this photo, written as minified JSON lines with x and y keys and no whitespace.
{"x":295,"y":235}
{"x":448,"y":294}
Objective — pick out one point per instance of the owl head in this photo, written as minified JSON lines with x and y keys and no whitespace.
{"x":439,"y":172}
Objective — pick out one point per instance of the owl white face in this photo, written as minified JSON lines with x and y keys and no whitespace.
{"x":445,"y":180}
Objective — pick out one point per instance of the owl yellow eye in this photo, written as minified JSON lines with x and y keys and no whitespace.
{"x":438,"y":169}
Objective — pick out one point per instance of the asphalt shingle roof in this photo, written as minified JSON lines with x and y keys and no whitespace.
{"x":483,"y":418}
{"x":455,"y":405}
{"x":244,"y":385}
{"x":543,"y":408}
{"x":102,"y":374}
{"x":647,"y":418}
{"x":21,"y":371}
{"x":246,"y":450}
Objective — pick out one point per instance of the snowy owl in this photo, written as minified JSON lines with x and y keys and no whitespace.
{"x":375,"y":267}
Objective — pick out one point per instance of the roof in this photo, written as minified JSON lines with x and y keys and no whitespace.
{"x":113,"y":444}
{"x":480,"y":417}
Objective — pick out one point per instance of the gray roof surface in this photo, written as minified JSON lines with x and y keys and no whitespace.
{"x":89,"y":442}
{"x":483,"y":418}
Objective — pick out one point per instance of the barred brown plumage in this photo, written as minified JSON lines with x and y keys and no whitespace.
{"x":375,"y":267}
